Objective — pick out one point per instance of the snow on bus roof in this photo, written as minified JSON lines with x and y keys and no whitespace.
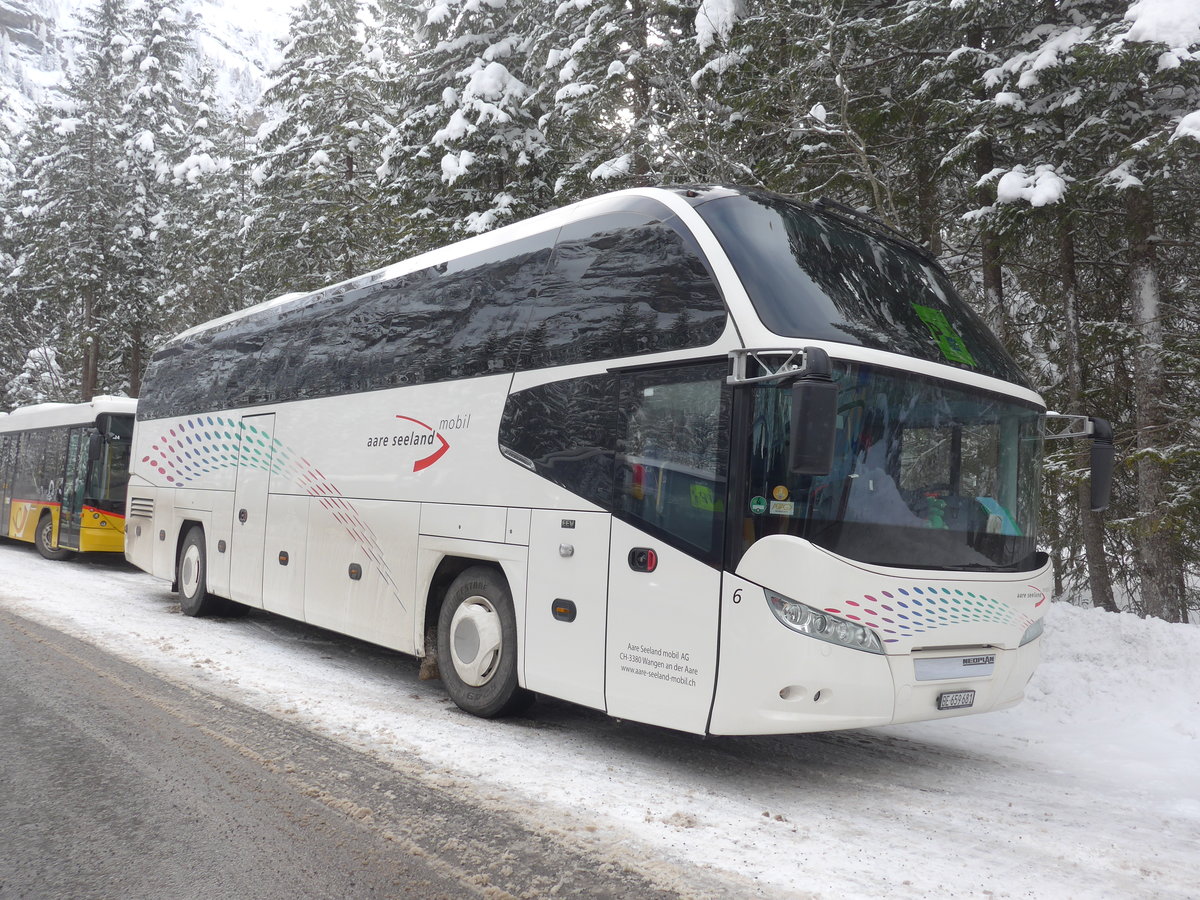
{"x":38,"y":408}
{"x":49,"y":415}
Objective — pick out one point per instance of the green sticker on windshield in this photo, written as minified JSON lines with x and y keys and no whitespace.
{"x":758,"y":505}
{"x":950,"y":342}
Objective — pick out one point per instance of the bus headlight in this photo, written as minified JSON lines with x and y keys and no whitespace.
{"x":1033,"y":632}
{"x":823,"y":626}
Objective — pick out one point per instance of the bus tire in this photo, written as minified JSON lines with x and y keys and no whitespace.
{"x":43,"y":539}
{"x":191,"y":575}
{"x":477,"y":645}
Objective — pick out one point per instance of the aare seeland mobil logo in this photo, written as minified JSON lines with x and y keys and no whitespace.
{"x":428,"y":442}
{"x":1034,"y":593}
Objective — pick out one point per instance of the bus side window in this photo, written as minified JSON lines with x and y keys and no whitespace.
{"x":622,"y":284}
{"x":29,"y":478}
{"x":671,"y":459}
{"x":448,"y":321}
{"x":8,"y":458}
{"x":564,"y":430}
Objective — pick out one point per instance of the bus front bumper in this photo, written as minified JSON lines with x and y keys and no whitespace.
{"x":773,"y":681}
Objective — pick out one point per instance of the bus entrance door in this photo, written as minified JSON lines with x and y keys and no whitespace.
{"x":8,"y":466}
{"x":70,"y":517}
{"x":249,"y":536}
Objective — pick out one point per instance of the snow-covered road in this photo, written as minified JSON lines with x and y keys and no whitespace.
{"x":1091,"y":788}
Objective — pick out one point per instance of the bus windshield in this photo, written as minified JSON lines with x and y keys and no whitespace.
{"x":926,"y":474}
{"x":108,"y":475}
{"x":812,"y":274}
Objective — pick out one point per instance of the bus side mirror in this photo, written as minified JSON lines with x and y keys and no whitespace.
{"x":1102,"y":463}
{"x":95,"y":443}
{"x":814,"y":416}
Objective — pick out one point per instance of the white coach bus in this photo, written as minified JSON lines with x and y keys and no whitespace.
{"x":705,"y":458}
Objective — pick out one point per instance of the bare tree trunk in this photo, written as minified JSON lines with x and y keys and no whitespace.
{"x":1160,"y":569}
{"x":989,"y":247}
{"x":639,"y":169}
{"x":989,"y":242}
{"x":349,"y":263}
{"x":91,"y":348}
{"x":926,"y":176}
{"x":1091,"y":523}
{"x":135,"y":361}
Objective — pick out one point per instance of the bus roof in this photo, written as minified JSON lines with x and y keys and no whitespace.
{"x":538,"y":224}
{"x":51,"y":415}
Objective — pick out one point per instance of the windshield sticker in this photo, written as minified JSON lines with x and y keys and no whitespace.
{"x":780,"y":492}
{"x":949,"y":341}
{"x":779,"y":508}
{"x":758,"y":505}
{"x":703,"y":499}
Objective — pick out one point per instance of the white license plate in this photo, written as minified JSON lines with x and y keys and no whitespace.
{"x":956,"y":699}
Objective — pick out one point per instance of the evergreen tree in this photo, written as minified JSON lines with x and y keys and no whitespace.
{"x":158,"y":111}
{"x":466,"y":151}
{"x":1102,"y":105}
{"x":318,"y":219}
{"x":72,"y":237}
{"x":618,"y":96}
{"x":210,"y":266}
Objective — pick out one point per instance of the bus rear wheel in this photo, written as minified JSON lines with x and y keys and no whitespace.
{"x":191,"y":576}
{"x":477,"y":645}
{"x":44,"y":540}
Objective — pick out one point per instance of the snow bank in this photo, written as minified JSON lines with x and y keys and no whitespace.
{"x":1121,"y":685}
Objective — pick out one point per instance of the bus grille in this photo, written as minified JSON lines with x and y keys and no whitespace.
{"x":141,"y":507}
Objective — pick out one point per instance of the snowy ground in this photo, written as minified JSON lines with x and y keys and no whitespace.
{"x":1091,"y":788}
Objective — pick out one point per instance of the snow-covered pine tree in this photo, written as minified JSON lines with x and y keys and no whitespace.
{"x":67,"y":277}
{"x":465,"y":152}
{"x":10,"y":351}
{"x":793,"y":118}
{"x":40,"y":380}
{"x":614,"y":78}
{"x":158,"y":112}
{"x":1107,"y":94}
{"x":1035,"y":189}
{"x":214,"y":198}
{"x":319,"y":216}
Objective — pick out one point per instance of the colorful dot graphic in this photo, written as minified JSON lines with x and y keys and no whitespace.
{"x":201,"y":445}
{"x":908,"y":611}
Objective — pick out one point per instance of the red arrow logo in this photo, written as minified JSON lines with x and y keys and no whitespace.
{"x":426,"y":462}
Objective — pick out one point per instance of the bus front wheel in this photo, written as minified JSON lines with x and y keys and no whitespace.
{"x":44,"y":540}
{"x":477,"y":645}
{"x":191,"y":575}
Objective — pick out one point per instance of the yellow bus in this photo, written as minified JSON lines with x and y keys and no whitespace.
{"x":63,"y":472}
